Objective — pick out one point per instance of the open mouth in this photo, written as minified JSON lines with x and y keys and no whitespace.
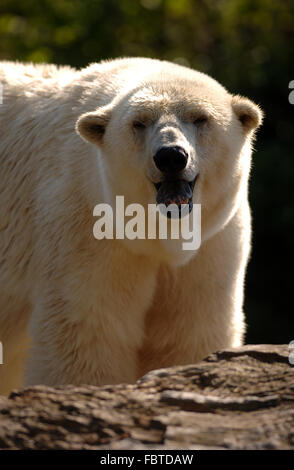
{"x":178,"y":192}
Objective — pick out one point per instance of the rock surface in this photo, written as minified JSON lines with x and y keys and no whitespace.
{"x":235,"y":399}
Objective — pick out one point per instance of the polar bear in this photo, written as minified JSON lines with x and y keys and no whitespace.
{"x":74,"y":309}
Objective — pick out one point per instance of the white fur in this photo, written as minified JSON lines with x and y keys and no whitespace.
{"x":107,"y":311}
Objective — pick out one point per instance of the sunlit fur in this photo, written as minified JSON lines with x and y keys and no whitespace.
{"x":77,"y":310}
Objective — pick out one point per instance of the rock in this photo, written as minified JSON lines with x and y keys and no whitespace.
{"x":240,"y":398}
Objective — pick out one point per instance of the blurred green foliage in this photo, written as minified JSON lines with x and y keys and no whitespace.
{"x":248,"y":45}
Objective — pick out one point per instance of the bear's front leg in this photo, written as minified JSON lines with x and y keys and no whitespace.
{"x":88,"y":329}
{"x":197,"y":308}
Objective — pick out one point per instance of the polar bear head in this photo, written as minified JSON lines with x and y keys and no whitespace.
{"x":174,"y":135}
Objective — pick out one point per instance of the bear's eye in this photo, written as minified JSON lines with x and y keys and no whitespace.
{"x":139,"y":125}
{"x":200,"y":120}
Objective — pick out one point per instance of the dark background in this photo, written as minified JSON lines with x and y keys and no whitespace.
{"x":247,"y":45}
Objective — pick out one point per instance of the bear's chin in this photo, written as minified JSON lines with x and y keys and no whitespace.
{"x":168,"y":251}
{"x":173,"y":253}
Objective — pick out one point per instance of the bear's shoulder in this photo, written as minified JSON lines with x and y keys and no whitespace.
{"x":26,"y":73}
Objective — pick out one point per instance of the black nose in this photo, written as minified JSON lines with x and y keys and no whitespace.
{"x":171,"y":159}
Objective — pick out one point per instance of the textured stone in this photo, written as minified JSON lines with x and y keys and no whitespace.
{"x":235,"y":399}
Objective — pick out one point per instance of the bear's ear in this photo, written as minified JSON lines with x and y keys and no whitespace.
{"x":91,"y":126}
{"x":249,"y":114}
